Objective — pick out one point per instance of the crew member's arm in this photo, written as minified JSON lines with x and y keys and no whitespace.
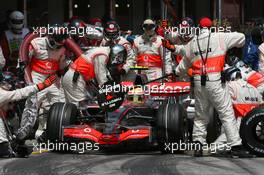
{"x":175,"y":49}
{"x":31,"y":51}
{"x":185,"y":63}
{"x":135,"y":49}
{"x":16,"y":95}
{"x":233,"y":89}
{"x":100,"y":69}
{"x":261,"y":58}
{"x":167,"y":61}
{"x":63,"y":63}
{"x":19,"y":94}
{"x":2,"y":59}
{"x":233,"y":39}
{"x":131,"y":60}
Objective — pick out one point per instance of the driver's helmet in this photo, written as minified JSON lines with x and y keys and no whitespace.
{"x":76,"y":25}
{"x":232,"y":73}
{"x":136,"y":96}
{"x":111,"y":31}
{"x":56,"y":36}
{"x":16,"y":22}
{"x":187,"y":30}
{"x":118,"y":55}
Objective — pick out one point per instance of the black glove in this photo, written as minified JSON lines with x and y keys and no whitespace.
{"x":122,"y":72}
{"x":21,"y":70}
{"x":115,"y":72}
{"x":62,"y":72}
{"x":174,"y":73}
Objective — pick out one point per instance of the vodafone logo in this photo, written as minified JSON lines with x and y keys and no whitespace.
{"x":48,"y":65}
{"x":111,"y":26}
{"x":135,"y":130}
{"x":87,"y":130}
{"x":184,"y":23}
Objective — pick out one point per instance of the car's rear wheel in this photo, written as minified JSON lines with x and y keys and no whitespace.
{"x":60,"y":115}
{"x":252,"y":131}
{"x":171,"y":126}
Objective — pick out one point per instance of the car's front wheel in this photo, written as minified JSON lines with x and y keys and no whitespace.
{"x":60,"y":115}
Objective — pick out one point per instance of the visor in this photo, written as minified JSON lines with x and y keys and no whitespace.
{"x":16,"y":21}
{"x":149,"y":26}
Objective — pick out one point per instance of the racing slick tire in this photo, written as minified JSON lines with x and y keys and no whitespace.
{"x":252,"y":131}
{"x":213,"y":126}
{"x":60,"y":114}
{"x":171,"y":126}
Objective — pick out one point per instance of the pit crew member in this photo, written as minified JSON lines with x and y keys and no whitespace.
{"x":10,"y":96}
{"x":205,"y":54}
{"x":12,"y":38}
{"x":150,"y":52}
{"x":112,"y":37}
{"x":244,"y":96}
{"x":95,"y":63}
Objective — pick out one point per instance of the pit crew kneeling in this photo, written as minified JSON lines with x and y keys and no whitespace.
{"x":244,"y":96}
{"x":9,"y":146}
{"x":102,"y":63}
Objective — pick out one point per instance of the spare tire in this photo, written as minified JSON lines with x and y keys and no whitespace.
{"x":60,"y":114}
{"x":171,"y":125}
{"x":252,"y":131}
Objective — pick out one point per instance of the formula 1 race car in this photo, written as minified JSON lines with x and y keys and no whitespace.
{"x":153,"y":113}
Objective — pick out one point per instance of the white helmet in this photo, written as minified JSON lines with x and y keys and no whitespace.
{"x":149,"y":27}
{"x":16,"y":21}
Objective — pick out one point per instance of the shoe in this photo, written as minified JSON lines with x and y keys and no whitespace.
{"x":20,"y":149}
{"x":240,"y":152}
{"x":6,"y":150}
{"x":198,"y":149}
{"x":23,"y":151}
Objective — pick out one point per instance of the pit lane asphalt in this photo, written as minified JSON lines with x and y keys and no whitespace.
{"x":128,"y":163}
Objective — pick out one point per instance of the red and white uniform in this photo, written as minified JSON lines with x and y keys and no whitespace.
{"x":44,"y":62}
{"x":149,"y":53}
{"x":10,"y":43}
{"x":261,"y":58}
{"x":90,"y":65}
{"x":214,"y":94}
{"x":130,"y":61}
{"x":245,"y":97}
{"x":254,"y":78}
{"x":11,"y":96}
{"x":2,"y":59}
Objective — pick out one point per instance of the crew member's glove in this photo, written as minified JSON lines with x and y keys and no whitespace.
{"x":48,"y":82}
{"x":168,"y":45}
{"x":174,"y":73}
{"x":21,"y":69}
